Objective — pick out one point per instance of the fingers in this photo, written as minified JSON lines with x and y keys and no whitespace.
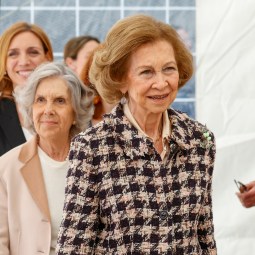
{"x":247,"y":198}
{"x":250,"y":185}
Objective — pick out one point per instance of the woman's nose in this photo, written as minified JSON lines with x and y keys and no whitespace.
{"x":24,"y":59}
{"x":49,"y":109}
{"x":160,"y":80}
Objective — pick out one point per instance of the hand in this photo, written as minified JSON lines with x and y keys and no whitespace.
{"x":247,"y":198}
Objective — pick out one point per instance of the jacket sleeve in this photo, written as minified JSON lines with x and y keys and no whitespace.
{"x":77,"y":232}
{"x":205,"y":226}
{"x":4,"y":228}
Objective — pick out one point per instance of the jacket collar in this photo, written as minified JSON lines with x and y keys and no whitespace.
{"x":181,"y":132}
{"x":33,"y":176}
{"x":135,"y":143}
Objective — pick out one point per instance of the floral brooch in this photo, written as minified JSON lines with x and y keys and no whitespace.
{"x":206,"y":139}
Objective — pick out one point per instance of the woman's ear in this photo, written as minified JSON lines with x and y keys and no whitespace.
{"x":48,"y":57}
{"x":124,"y":89}
{"x":71,"y":63}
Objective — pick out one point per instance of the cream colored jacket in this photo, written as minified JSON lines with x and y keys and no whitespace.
{"x":25,"y":227}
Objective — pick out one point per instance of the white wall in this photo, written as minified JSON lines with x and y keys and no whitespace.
{"x":225,"y":95}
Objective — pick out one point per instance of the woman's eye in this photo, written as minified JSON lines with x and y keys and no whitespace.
{"x":33,"y":53}
{"x":147,"y":73}
{"x":12,"y":54}
{"x":169,"y":69}
{"x":60,"y":100}
{"x":39,"y":100}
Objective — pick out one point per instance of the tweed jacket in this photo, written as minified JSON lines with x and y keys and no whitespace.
{"x":25,"y":227}
{"x":11,"y":134}
{"x":121,"y":198}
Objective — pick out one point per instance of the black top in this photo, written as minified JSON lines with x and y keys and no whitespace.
{"x":11,"y":133}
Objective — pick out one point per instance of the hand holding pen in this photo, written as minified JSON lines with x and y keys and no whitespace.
{"x":246,"y":193}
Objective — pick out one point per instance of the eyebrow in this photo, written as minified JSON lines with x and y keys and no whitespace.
{"x":150,"y":66}
{"x":29,"y":48}
{"x":54,"y":95}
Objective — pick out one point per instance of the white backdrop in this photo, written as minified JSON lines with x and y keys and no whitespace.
{"x":225,"y":96}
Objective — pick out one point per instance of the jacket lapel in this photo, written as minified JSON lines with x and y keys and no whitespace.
{"x":33,"y":176}
{"x":134,"y":144}
{"x":188,"y":133}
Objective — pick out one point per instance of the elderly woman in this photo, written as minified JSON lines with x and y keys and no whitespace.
{"x":55,"y":106}
{"x":139,"y":182}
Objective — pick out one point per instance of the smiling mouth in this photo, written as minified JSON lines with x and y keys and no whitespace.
{"x":25,"y":74}
{"x":159,"y":96}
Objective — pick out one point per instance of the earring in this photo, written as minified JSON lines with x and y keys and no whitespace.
{"x":123,"y":100}
{"x":74,"y":122}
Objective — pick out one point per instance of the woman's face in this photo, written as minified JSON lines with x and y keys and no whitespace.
{"x":152,"y":79}
{"x":25,"y":53}
{"x":53,"y":113}
{"x":83,"y":55}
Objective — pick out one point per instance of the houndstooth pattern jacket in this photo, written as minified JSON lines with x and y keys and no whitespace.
{"x":121,"y":198}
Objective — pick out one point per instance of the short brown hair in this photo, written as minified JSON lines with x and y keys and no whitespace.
{"x":74,"y":45}
{"x":110,"y":63}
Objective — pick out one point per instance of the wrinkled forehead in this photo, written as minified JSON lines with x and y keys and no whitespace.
{"x":152,"y":53}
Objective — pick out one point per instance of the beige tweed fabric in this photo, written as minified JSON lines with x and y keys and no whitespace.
{"x":121,"y":198}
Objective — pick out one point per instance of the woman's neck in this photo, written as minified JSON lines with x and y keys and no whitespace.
{"x":151,"y":124}
{"x":154,"y":130}
{"x":55,"y":149}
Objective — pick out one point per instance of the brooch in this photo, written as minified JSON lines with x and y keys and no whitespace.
{"x":206,"y":139}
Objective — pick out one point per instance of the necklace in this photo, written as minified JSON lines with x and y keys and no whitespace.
{"x":157,"y":139}
{"x":55,"y":154}
{"x":159,"y":136}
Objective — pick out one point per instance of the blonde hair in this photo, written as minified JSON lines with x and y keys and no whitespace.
{"x":6,"y":86}
{"x":111,"y":61}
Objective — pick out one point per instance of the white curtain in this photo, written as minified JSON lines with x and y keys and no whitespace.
{"x":225,"y":96}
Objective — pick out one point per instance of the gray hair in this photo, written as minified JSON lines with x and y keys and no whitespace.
{"x":81,"y":95}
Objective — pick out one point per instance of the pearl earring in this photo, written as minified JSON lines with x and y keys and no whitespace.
{"x":123,"y":100}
